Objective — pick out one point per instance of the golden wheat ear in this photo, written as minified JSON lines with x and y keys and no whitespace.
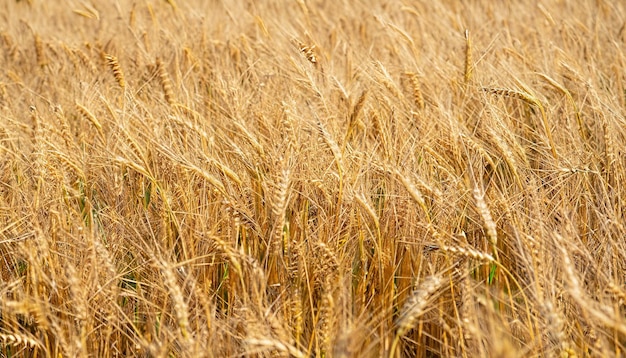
{"x":418,"y":98}
{"x":414,"y":307}
{"x":114,"y":65}
{"x":307,"y":51}
{"x":468,"y":58}
{"x":42,"y":61}
{"x":166,"y":84}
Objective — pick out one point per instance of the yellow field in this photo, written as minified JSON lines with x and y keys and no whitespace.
{"x":312,"y":178}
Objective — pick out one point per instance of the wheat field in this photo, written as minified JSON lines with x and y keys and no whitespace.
{"x":312,"y":178}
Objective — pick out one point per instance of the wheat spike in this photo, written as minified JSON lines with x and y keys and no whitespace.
{"x":132,"y":18}
{"x":90,"y":117}
{"x":380,"y":132}
{"x":307,"y":51}
{"x":288,"y":124}
{"x":42,"y":61}
{"x":206,"y":175}
{"x":272,"y":343}
{"x":229,"y":173}
{"x":533,"y":101}
{"x":490,"y":225}
{"x":417,"y":91}
{"x":327,"y":319}
{"x":84,"y":58}
{"x":468,"y":58}
{"x":166,"y":84}
{"x":114,"y":65}
{"x":387,"y":81}
{"x":415,"y":307}
{"x":181,"y":309}
{"x":415,"y":193}
{"x":581,"y":125}
{"x":506,"y":92}
{"x":364,"y":203}
{"x":16,"y":339}
{"x":279,"y":208}
{"x":354,"y":115}
{"x":468,"y":252}
{"x":173,"y":4}
{"x":331,"y":144}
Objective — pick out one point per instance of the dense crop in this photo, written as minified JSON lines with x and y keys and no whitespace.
{"x":312,"y":178}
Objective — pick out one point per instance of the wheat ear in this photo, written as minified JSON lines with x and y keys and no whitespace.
{"x":570,"y":98}
{"x":16,"y":339}
{"x":307,"y":51}
{"x":166,"y":84}
{"x":468,"y":58}
{"x":354,"y":115}
{"x":533,"y":101}
{"x":418,"y":98}
{"x":114,"y":65}
{"x":414,"y":308}
{"x":279,"y":209}
{"x":490,"y":225}
{"x":39,"y":51}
